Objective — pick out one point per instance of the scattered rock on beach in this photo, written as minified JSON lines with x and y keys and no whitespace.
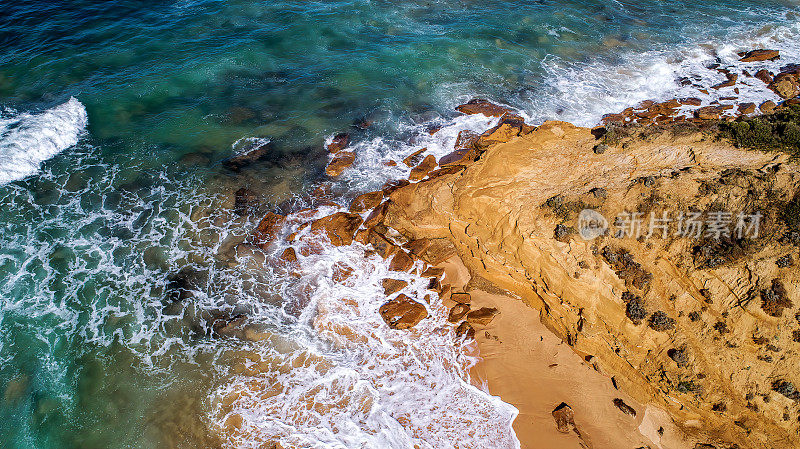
{"x":482,"y":316}
{"x":565,"y":417}
{"x":625,"y":408}
{"x":457,"y":313}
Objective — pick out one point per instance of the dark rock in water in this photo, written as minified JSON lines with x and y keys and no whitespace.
{"x":402,"y":312}
{"x":760,"y":55}
{"x":767,"y":106}
{"x":565,"y":417}
{"x":691,"y":101}
{"x":747,"y":108}
{"x":377,"y":215}
{"x":289,"y":255}
{"x":465,"y":331}
{"x":185,"y":283}
{"x":339,"y":142}
{"x":247,"y":156}
{"x":414,"y":158}
{"x":196,"y":158}
{"x":786,"y":85}
{"x":391,"y":186}
{"x":245,"y":201}
{"x":401,"y":261}
{"x":625,"y":408}
{"x":422,"y":170}
{"x":227,"y":326}
{"x":392,"y":286}
{"x":268,"y":229}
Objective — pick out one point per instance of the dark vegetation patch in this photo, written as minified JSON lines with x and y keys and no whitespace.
{"x":779,"y":131}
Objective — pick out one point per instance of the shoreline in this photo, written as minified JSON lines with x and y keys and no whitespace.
{"x":430,"y":219}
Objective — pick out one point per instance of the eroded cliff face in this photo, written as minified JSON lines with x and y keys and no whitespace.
{"x":704,"y":328}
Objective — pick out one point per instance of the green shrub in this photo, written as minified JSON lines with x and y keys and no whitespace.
{"x":791,"y":214}
{"x":778,"y":131}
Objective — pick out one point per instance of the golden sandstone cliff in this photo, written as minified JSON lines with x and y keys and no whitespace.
{"x":704,"y":328}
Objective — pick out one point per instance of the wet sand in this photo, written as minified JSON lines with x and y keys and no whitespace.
{"x":529,"y":367}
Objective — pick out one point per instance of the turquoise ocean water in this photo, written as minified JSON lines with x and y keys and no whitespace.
{"x":115,"y":118}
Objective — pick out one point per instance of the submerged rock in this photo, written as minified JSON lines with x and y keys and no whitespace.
{"x":247,"y":157}
{"x":485,"y":107}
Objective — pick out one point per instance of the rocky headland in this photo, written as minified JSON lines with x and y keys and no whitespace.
{"x":664,"y":336}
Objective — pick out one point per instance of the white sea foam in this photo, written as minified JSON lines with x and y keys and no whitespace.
{"x":27,"y":140}
{"x":583,"y":92}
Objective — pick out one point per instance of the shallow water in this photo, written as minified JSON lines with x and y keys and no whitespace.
{"x":108,"y":197}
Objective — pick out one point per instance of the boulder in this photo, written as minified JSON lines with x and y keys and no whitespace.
{"x":246,"y":157}
{"x":401,"y":262}
{"x":507,"y":129}
{"x":625,"y":408}
{"x":691,"y":101}
{"x":338,"y":143}
{"x":414,"y":158}
{"x":449,"y":170}
{"x":458,"y":312}
{"x":377,"y":215}
{"x":565,"y":417}
{"x":244,"y":201}
{"x":422,"y":170}
{"x":339,"y":227}
{"x":402,"y":312}
{"x":760,"y":55}
{"x":366,"y":201}
{"x":747,"y":108}
{"x":380,"y":244}
{"x":392,"y":286}
{"x":485,"y":107}
{"x":764,"y":75}
{"x":732,"y":77}
{"x":391,"y":186}
{"x":786,"y":85}
{"x":461,"y":298}
{"x":767,"y":107}
{"x":465,"y":330}
{"x":289,"y":255}
{"x":339,"y":163}
{"x":482,"y":316}
{"x":708,"y":113}
{"x":267,"y":229}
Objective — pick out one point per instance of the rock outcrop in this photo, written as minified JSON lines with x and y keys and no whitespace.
{"x":699,"y":325}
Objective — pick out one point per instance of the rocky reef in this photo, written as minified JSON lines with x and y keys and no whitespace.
{"x":683,"y":292}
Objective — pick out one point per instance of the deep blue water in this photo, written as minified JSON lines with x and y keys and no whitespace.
{"x":90,"y":354}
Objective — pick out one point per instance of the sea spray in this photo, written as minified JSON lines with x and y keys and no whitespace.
{"x":27,"y":140}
